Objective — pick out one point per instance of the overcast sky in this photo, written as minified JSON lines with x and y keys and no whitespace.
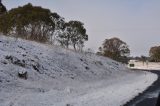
{"x":137,"y":22}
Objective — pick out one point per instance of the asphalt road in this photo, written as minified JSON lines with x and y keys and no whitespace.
{"x":148,"y":97}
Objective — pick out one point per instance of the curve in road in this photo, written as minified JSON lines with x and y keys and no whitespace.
{"x":149,"y":96}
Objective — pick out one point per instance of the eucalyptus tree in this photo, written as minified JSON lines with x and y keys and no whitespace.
{"x":115,"y":48}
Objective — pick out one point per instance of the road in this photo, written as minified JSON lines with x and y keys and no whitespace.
{"x":148,"y":97}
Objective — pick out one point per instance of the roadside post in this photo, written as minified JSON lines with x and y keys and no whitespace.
{"x":147,"y":63}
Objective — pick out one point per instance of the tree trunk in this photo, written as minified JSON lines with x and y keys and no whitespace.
{"x":74,"y":46}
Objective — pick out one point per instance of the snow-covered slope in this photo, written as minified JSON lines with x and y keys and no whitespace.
{"x":60,"y":77}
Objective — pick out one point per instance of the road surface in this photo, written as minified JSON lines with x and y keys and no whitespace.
{"x":148,"y":97}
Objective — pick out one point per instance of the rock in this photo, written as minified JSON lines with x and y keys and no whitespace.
{"x":16,"y":61}
{"x":22,"y":74}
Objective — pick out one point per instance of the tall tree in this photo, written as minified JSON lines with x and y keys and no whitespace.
{"x":77,"y":34}
{"x":73,"y":34}
{"x":155,"y":53}
{"x":64,"y":37}
{"x":115,"y":49}
{"x":59,"y":27}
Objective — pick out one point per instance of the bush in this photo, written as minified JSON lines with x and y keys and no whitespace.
{"x":131,"y":65}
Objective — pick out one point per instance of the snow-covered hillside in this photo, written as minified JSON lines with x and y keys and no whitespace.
{"x":60,"y":77}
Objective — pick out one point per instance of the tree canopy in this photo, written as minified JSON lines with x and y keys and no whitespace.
{"x":75,"y":34}
{"x":154,"y":53}
{"x":29,"y":22}
{"x":115,"y":48}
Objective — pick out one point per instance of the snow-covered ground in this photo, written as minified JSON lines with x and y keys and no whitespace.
{"x":147,"y":65}
{"x":60,"y":77}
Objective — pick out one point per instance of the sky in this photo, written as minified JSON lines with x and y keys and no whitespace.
{"x":136,"y":22}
